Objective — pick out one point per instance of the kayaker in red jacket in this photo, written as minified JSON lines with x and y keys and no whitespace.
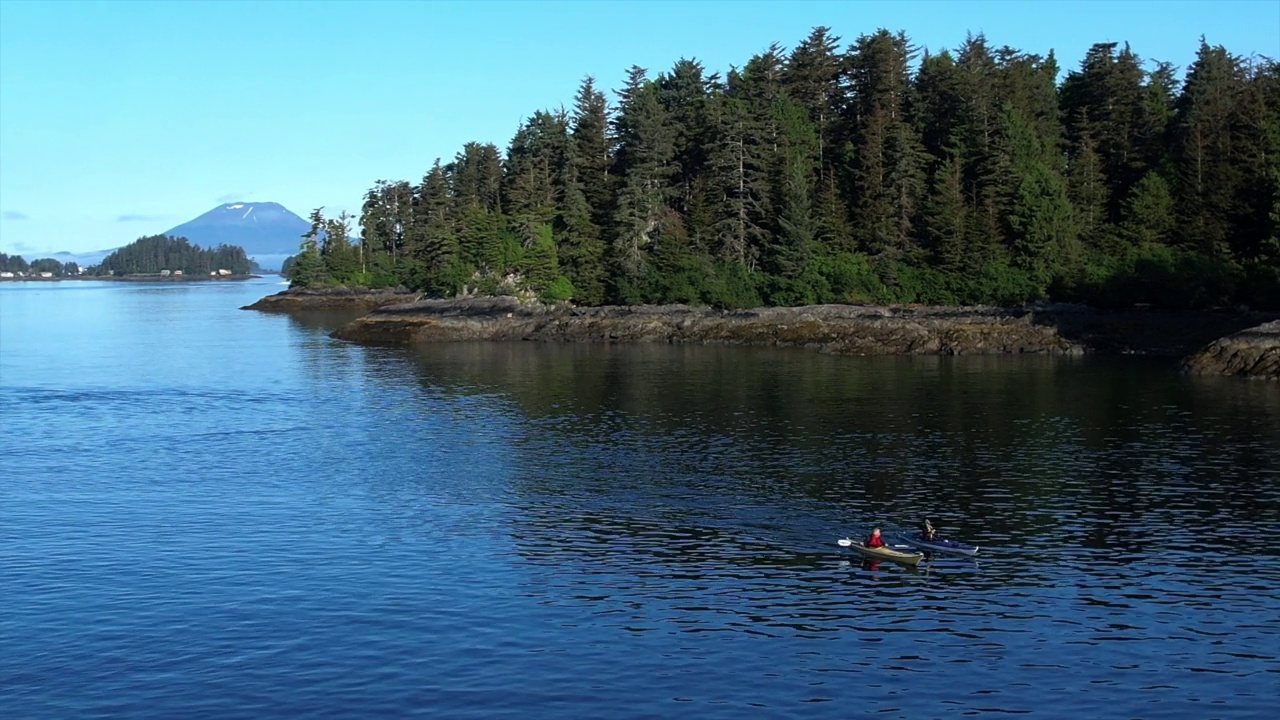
{"x":874,"y":540}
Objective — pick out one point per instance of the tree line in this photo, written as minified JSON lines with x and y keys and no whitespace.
{"x":154,"y":253}
{"x":862,"y":173}
{"x":19,"y":264}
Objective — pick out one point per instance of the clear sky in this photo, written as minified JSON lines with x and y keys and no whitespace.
{"x":121,"y":119}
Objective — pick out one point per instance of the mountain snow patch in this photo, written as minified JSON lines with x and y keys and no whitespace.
{"x":237,"y":206}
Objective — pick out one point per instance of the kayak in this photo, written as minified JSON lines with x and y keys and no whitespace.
{"x":883,"y":553}
{"x":942,"y":545}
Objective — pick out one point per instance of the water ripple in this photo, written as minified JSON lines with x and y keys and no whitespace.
{"x":599,"y":532}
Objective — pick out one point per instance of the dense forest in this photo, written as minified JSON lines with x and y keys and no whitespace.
{"x":152,"y":254}
{"x":863,"y":173}
{"x":19,"y":264}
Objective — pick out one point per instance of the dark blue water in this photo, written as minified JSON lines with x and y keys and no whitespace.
{"x":214,"y":513}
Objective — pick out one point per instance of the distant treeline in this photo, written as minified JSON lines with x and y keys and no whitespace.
{"x":833,"y":175}
{"x":18,"y":264}
{"x":156,"y":253}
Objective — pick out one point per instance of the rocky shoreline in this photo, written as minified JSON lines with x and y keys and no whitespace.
{"x":840,"y":329}
{"x":851,"y":330}
{"x":1223,"y":341}
{"x":357,"y":299}
{"x":1254,"y":352}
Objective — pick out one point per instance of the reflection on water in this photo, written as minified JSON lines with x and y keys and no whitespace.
{"x":225,"y":513}
{"x":702,"y":489}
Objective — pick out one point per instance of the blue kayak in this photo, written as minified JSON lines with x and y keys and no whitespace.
{"x":941,"y":545}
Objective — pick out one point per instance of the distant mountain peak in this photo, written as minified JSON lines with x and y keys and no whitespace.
{"x":239,"y":204}
{"x":268,"y":231}
{"x":261,"y":228}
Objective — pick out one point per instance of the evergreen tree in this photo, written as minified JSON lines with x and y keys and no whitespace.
{"x":940,"y":104}
{"x":645,"y":165}
{"x":436,"y":247}
{"x":1040,"y":216}
{"x":308,"y":267}
{"x":946,"y":216}
{"x":342,"y":264}
{"x":683,"y":96}
{"x":792,"y":254}
{"x":977,"y":132}
{"x":535,"y":161}
{"x":740,"y":171}
{"x":13,"y":263}
{"x":581,"y":251}
{"x":1205,"y":196}
{"x":1149,"y":213}
{"x":1105,"y":103}
{"x":889,"y":162}
{"x":1158,"y":98}
{"x":385,"y":217}
{"x":586,"y":196}
{"x":1089,"y":191}
{"x":812,"y":77}
{"x":477,"y":176}
{"x":1255,"y":148}
{"x":592,"y":151}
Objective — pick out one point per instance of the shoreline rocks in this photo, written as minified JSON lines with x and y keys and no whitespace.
{"x":841,"y":329}
{"x":357,"y":299}
{"x":1254,"y":352}
{"x":1223,"y":341}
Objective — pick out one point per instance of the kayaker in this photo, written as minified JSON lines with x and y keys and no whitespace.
{"x":874,"y":540}
{"x":926,"y":530}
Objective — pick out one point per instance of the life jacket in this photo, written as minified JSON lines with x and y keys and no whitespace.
{"x":874,"y":541}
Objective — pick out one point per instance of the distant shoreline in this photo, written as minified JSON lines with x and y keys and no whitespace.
{"x":134,"y":278}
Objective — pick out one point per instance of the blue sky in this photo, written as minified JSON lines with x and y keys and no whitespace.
{"x":121,"y":119}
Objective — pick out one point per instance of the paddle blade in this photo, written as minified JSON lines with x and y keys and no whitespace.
{"x":844,"y":542}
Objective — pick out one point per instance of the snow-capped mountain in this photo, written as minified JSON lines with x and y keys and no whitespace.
{"x":264,"y":228}
{"x":267,"y":231}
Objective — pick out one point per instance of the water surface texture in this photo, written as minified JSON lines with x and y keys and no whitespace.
{"x":213,"y":513}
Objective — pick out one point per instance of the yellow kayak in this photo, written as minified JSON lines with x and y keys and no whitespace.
{"x":883,"y":553}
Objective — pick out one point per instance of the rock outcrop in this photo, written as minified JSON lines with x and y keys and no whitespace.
{"x":1254,"y":353}
{"x":398,"y":317}
{"x":358,"y":299}
{"x":843,"y":329}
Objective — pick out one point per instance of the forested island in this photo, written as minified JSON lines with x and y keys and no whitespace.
{"x":151,"y":257}
{"x":157,"y":254}
{"x":866,"y":173}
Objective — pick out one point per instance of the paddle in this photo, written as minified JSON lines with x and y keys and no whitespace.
{"x":846,"y":542}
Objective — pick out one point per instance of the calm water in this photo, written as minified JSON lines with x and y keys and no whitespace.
{"x":213,"y":513}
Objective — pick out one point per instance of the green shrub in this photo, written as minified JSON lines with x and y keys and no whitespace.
{"x":558,"y":290}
